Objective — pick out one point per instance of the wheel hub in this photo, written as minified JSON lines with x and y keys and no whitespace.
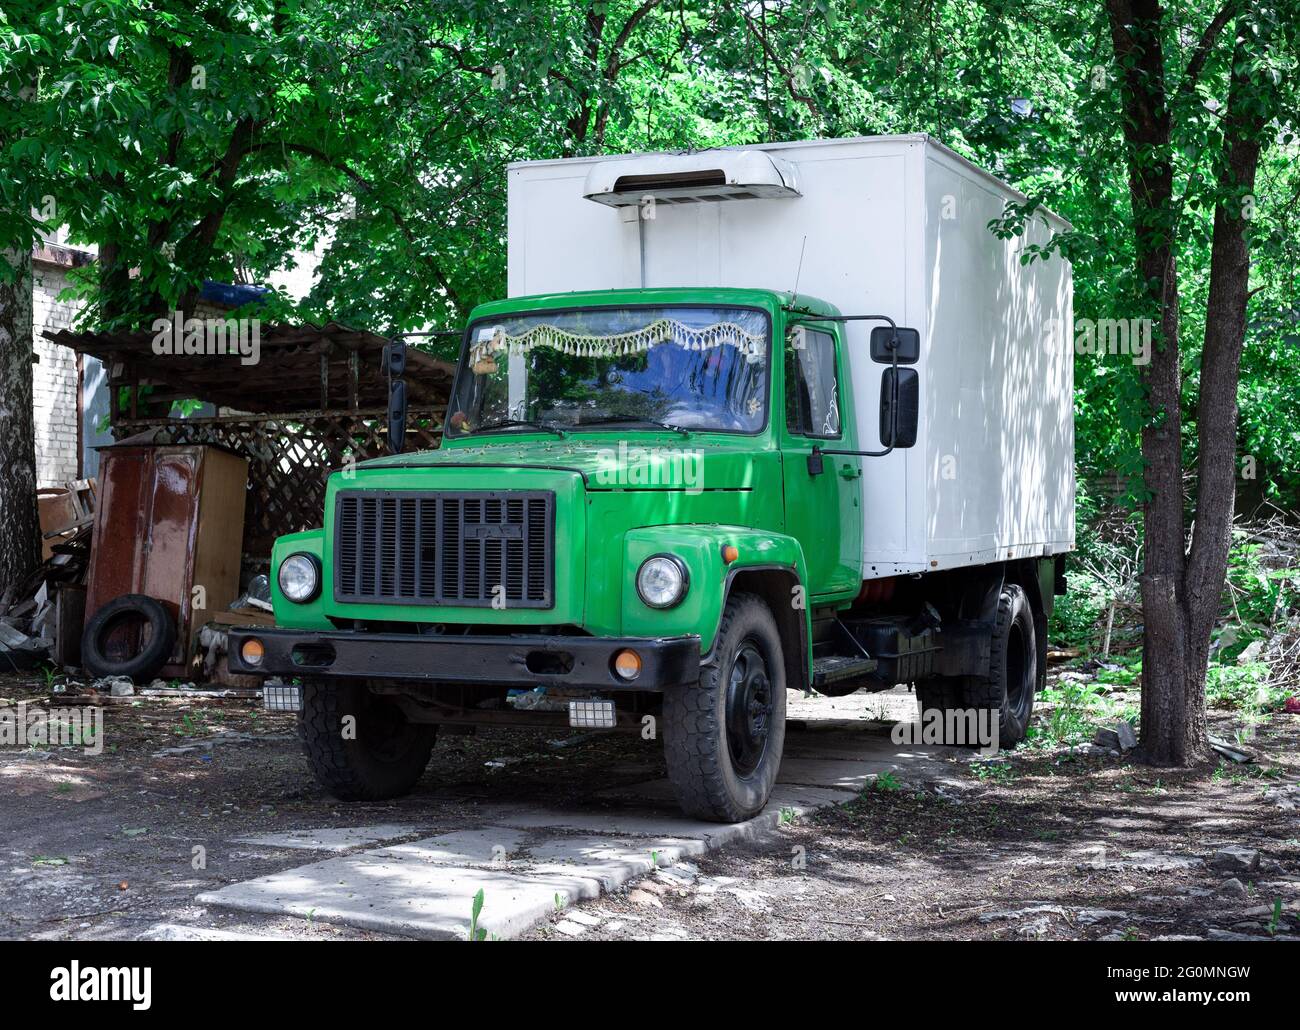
{"x":749,"y":705}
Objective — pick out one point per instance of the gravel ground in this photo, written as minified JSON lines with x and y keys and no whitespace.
{"x":1042,"y":842}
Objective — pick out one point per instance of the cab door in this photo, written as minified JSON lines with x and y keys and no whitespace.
{"x":823,"y":510}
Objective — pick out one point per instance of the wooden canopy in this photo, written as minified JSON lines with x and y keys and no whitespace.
{"x":300,"y":368}
{"x":316,"y":399}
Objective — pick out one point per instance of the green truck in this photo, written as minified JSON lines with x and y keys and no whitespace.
{"x":662,"y":503}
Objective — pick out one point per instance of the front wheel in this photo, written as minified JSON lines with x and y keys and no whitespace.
{"x":723,"y":737}
{"x":360,"y":745}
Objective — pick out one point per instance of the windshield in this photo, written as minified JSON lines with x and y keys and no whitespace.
{"x":681,"y":367}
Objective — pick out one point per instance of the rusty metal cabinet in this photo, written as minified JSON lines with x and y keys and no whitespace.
{"x":169,"y":525}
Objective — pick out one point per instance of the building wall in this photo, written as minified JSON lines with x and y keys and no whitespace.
{"x":56,"y":401}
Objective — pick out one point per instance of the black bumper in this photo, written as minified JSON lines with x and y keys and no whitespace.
{"x":523,"y":661}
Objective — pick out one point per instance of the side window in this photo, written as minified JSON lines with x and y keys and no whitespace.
{"x":812,"y":401}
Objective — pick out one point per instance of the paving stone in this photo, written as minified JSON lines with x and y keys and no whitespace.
{"x":402,"y":894}
{"x":331,"y":838}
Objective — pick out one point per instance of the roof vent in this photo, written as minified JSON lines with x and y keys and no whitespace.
{"x":711,"y":175}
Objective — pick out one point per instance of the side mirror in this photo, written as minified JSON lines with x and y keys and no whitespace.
{"x":395,"y":366}
{"x":395,"y":358}
{"x":396,"y":416}
{"x":900,"y":403}
{"x":909,"y":345}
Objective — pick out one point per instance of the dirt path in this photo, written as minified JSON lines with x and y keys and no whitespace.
{"x":105,"y":846}
{"x":1032,"y":845}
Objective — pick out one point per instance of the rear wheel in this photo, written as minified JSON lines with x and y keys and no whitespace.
{"x":360,"y":745}
{"x":939,"y":694}
{"x":723,"y":737}
{"x":1007,"y":693}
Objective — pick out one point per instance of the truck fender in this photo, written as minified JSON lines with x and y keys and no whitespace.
{"x":770,"y":565}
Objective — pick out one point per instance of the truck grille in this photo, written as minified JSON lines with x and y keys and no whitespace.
{"x":407,"y":547}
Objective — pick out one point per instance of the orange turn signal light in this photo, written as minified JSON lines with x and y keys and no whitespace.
{"x":252,"y":651}
{"x":627,"y":664}
{"x":730,"y":553}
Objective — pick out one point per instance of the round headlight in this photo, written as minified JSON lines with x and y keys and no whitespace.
{"x":661,"y":581}
{"x":299,"y":578}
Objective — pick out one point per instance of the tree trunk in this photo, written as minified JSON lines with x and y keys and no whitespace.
{"x":1170,"y":734}
{"x":1181,"y":589}
{"x":1216,"y":416}
{"x":19,"y":526}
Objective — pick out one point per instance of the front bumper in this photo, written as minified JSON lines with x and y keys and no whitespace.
{"x":521,"y":660}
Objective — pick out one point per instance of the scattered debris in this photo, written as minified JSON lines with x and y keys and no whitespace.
{"x":1127,"y":738}
{"x":642,"y":897}
{"x":1155,"y":861}
{"x":1230,"y":751}
{"x":1088,"y":916}
{"x":1021,"y":913}
{"x":35,"y":619}
{"x":1236,"y":859}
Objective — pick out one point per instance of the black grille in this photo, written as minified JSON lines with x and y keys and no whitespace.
{"x":404,"y":547}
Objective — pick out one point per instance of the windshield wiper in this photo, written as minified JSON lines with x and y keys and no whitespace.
{"x":608,"y":419}
{"x":512,"y":423}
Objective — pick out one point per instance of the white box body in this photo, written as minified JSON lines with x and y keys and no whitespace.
{"x":894,"y":225}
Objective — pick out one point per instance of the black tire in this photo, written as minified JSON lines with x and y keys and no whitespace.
{"x":385,"y":757}
{"x":723,"y":769}
{"x":107,"y":631}
{"x":1008,"y":690}
{"x":939,"y":693}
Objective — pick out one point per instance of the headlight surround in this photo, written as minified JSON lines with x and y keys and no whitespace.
{"x":299,"y":577}
{"x":662,"y":581}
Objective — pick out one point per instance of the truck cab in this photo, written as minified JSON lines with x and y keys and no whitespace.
{"x":627,"y":498}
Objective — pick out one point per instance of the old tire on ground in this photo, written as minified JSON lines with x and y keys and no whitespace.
{"x":723,"y":737}
{"x":1007,"y":693}
{"x":109,"y":647}
{"x":384,"y":758}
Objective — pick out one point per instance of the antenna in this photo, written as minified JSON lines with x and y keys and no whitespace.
{"x":798,"y":271}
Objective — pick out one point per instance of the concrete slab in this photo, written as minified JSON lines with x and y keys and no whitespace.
{"x":843,"y":775}
{"x":333,"y":838}
{"x":784,"y":795}
{"x":528,"y":861}
{"x":638,"y":823}
{"x":488,"y":846}
{"x":401,"y":894}
{"x":611,"y":863}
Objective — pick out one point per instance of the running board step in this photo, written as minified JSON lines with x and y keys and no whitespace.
{"x":835,"y":668}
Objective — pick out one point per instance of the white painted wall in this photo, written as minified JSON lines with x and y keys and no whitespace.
{"x":55,"y":403}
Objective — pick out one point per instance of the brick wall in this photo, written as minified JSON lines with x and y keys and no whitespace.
{"x":56,"y":404}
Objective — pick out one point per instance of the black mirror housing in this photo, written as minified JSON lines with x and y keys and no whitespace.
{"x":395,"y":358}
{"x":396,"y":416}
{"x":898,"y":423}
{"x":909,"y":345}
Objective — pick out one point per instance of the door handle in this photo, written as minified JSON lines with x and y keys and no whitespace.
{"x":847,"y":471}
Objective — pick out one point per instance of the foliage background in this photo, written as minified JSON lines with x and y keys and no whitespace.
{"x":378,"y":132}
